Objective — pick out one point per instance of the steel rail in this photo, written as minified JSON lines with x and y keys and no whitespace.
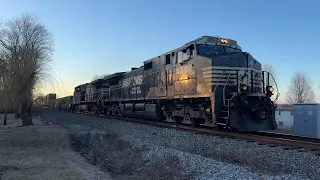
{"x":265,"y":137}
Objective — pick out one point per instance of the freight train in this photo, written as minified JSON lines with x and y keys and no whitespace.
{"x":47,"y":101}
{"x":209,"y":81}
{"x":63,"y":103}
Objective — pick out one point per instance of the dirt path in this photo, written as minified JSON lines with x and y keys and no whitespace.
{"x":41,"y":152}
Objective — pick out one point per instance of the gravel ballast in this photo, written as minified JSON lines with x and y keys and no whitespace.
{"x":193,"y":156}
{"x":125,"y":160}
{"x":204,"y":156}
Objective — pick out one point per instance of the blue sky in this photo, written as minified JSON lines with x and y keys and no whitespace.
{"x":105,"y":36}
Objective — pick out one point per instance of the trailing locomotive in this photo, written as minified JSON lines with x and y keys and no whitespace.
{"x":63,"y":103}
{"x":208,"y":81}
{"x":47,"y":101}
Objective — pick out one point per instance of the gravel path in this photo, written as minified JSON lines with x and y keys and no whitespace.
{"x":194,"y":156}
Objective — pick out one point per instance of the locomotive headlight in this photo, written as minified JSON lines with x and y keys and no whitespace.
{"x":224,"y":41}
{"x":243,"y":87}
{"x":270,"y":90}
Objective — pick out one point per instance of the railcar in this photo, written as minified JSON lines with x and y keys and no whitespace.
{"x":209,"y":81}
{"x":64,"y":103}
{"x":48,"y":101}
{"x":79,"y":102}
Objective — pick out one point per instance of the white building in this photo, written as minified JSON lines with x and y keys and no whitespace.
{"x":284,"y":116}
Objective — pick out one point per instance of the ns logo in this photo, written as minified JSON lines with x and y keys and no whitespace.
{"x":132,"y":81}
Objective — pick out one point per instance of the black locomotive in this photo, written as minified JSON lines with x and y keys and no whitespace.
{"x":208,"y":81}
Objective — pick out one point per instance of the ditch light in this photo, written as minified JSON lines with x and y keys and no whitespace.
{"x":243,"y":87}
{"x":270,"y":90}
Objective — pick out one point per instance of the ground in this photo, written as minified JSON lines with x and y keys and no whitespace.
{"x":137,"y":151}
{"x":114,"y":149}
{"x":41,"y":152}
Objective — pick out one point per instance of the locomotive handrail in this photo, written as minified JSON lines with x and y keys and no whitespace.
{"x":214,"y":91}
{"x":263,"y":90}
{"x":278,"y":94}
{"x":268,"y":83}
{"x":224,"y":88}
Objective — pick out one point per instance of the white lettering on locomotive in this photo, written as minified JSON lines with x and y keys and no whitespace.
{"x":135,"y":90}
{"x":137,"y":80}
{"x":134,"y":81}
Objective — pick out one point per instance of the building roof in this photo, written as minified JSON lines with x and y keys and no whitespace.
{"x":284,"y":107}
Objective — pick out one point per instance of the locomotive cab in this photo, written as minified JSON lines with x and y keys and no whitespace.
{"x":240,"y":91}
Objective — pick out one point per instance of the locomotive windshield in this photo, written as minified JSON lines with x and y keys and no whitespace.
{"x":212,"y":49}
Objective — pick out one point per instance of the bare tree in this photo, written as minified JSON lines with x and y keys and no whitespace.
{"x":272,"y":80}
{"x":95,"y":77}
{"x":39,"y":99}
{"x":5,"y":86}
{"x":300,"y":89}
{"x":2,"y":96}
{"x":26,"y":47}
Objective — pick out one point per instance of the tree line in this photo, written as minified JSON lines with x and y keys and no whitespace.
{"x":26,"y":47}
{"x":300,"y":88}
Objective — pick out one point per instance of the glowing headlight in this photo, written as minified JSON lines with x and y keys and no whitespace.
{"x":271,"y":89}
{"x":224,"y":41}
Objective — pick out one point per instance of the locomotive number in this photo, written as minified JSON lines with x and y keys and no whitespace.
{"x":184,"y":69}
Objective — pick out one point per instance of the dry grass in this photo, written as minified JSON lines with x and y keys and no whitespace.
{"x":125,"y":162}
{"x":41,"y":152}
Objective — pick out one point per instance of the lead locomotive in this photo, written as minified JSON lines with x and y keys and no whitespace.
{"x":208,"y":81}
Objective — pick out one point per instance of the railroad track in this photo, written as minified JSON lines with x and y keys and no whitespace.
{"x":273,"y":139}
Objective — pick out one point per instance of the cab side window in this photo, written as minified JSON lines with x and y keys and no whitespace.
{"x":168,"y":59}
{"x":192,"y":51}
{"x":180,"y":57}
{"x":185,"y":55}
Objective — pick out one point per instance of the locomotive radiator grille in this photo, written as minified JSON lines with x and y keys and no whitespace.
{"x":103,"y":94}
{"x":217,"y":75}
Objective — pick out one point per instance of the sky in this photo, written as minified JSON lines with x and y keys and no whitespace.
{"x":106,"y":36}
